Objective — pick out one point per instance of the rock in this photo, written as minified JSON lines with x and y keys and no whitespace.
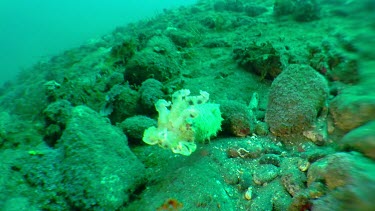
{"x":300,"y":202}
{"x":361,"y":139}
{"x":123,"y":101}
{"x":293,"y":183}
{"x":159,"y":60}
{"x":292,"y":178}
{"x":52,"y":133}
{"x":316,"y":190}
{"x":307,"y":10}
{"x":56,"y":115}
{"x":263,"y":203}
{"x":16,"y":133}
{"x":99,"y":170}
{"x":150,"y":92}
{"x":265,"y":174}
{"x":295,"y":99}
{"x":238,"y":119}
{"x":283,"y":7}
{"x":270,"y":159}
{"x":352,"y":108}
{"x":123,"y":52}
{"x":269,"y":197}
{"x":180,"y":37}
{"x":303,"y":11}
{"x":113,"y":79}
{"x":134,"y":127}
{"x":349,"y":178}
{"x":245,"y":181}
{"x":331,"y":170}
{"x":346,"y":70}
{"x":281,"y":199}
{"x":315,"y":153}
{"x":254,"y":10}
{"x":42,"y":173}
{"x":51,"y":89}
{"x":235,"y":6}
{"x":58,"y":112}
{"x":270,"y":147}
{"x":263,"y":59}
{"x":261,"y":129}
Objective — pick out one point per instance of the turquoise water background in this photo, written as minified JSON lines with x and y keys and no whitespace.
{"x":33,"y":30}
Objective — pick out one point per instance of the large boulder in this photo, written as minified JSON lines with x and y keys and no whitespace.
{"x":295,"y":99}
{"x":99,"y":170}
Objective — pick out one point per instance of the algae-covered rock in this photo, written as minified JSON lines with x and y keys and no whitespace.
{"x":58,"y":112}
{"x":265,"y":173}
{"x":99,"y":170}
{"x":303,"y":11}
{"x":283,"y":7}
{"x":238,"y":120}
{"x":254,"y":10}
{"x":148,"y":64}
{"x":42,"y":172}
{"x":123,"y":102}
{"x":123,"y":52}
{"x":270,"y":159}
{"x":292,"y":178}
{"x":349,"y":178}
{"x":16,"y":133}
{"x":134,"y":126}
{"x":263,"y":59}
{"x":261,"y":128}
{"x":181,"y":38}
{"x":306,"y":10}
{"x":352,"y":108}
{"x":159,"y":60}
{"x":56,"y":115}
{"x":295,"y":99}
{"x":150,"y":92}
{"x":361,"y":139}
{"x":346,"y":71}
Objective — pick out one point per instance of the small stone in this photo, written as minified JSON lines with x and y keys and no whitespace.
{"x":270,"y":159}
{"x":249,"y":193}
{"x":303,"y":165}
{"x":265,"y":173}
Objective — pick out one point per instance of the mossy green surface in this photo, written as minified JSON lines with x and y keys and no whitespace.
{"x":56,"y":159}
